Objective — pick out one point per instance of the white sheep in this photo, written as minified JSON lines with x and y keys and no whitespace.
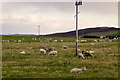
{"x":80,"y":55}
{"x":32,"y":38}
{"x":78,"y":70}
{"x":83,"y":41}
{"x":65,"y":47}
{"x":53,"y":53}
{"x":91,"y":51}
{"x":78,"y":50}
{"x":110,"y":40}
{"x":42,"y":51}
{"x":23,"y":52}
{"x":19,"y":41}
{"x":35,"y":39}
{"x":103,"y":40}
{"x":61,"y":40}
{"x":7,"y":41}
{"x":95,"y":40}
{"x":87,"y":53}
{"x":15,"y":41}
{"x":92,"y":44}
{"x":100,"y":40}
{"x":55,"y":41}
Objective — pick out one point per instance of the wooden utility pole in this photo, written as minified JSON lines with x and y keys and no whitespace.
{"x":77,"y":4}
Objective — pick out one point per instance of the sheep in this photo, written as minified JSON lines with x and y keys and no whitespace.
{"x":95,"y":40}
{"x":43,"y":47}
{"x":7,"y":41}
{"x":100,"y":40}
{"x":23,"y":52}
{"x":80,"y":55}
{"x":110,"y":40}
{"x":87,"y":53}
{"x":35,"y":39}
{"x":53,"y":53}
{"x":41,"y":41}
{"x":83,"y":41}
{"x":91,"y":52}
{"x":50,"y":49}
{"x":32,"y":38}
{"x":15,"y":41}
{"x":19,"y":41}
{"x":55,"y":41}
{"x":92,"y":44}
{"x":42,"y":51}
{"x":61,"y":40}
{"x":78,"y":70}
{"x":103,"y":40}
{"x":65,"y":47}
{"x":78,"y":50}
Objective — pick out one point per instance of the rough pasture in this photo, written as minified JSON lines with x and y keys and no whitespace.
{"x":33,"y":64}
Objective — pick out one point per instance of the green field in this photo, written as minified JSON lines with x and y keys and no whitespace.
{"x":34,"y":64}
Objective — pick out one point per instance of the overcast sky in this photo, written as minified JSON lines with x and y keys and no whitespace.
{"x":24,"y":17}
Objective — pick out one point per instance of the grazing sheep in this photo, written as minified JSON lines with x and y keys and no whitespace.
{"x":53,"y":53}
{"x":91,"y":51}
{"x":15,"y":41}
{"x":43,"y":47}
{"x":100,"y":40}
{"x":110,"y":40}
{"x":95,"y":40}
{"x":80,"y":55}
{"x":83,"y":41}
{"x":92,"y":44}
{"x":35,"y":39}
{"x":42,"y":51}
{"x":61,"y":40}
{"x":50,"y":49}
{"x":22,"y":38}
{"x":7,"y":41}
{"x":41,"y":41}
{"x":32,"y":38}
{"x":55,"y":41}
{"x":23,"y":52}
{"x":87,"y":53}
{"x":103,"y":40}
{"x":65,"y":47}
{"x":19,"y":41}
{"x":78,"y":70}
{"x":78,"y":50}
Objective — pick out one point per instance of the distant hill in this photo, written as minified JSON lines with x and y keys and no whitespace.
{"x":98,"y":31}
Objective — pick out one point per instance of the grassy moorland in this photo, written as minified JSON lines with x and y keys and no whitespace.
{"x":34,"y":64}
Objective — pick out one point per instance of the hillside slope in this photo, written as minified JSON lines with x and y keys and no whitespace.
{"x":98,"y":31}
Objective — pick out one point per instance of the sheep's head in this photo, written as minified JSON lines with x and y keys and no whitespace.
{"x":84,"y":69}
{"x":83,"y":51}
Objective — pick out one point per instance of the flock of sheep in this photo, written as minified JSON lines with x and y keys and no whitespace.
{"x":52,"y":52}
{"x":47,"y":40}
